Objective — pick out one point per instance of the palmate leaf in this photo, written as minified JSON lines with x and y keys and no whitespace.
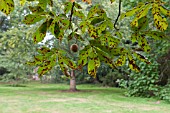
{"x":54,"y":28}
{"x":141,"y":14}
{"x":78,"y":6}
{"x":94,"y":63}
{"x":36,"y":9}
{"x":6,"y":6}
{"x":44,"y":50}
{"x":92,"y":11}
{"x":160,"y":22}
{"x":102,"y":27}
{"x":43,"y":4}
{"x":141,"y":58}
{"x":67,"y":8}
{"x":64,"y":63}
{"x":104,"y":57}
{"x":143,"y":23}
{"x":121,"y":60}
{"x":143,"y":43}
{"x":33,"y":18}
{"x":164,"y":10}
{"x":83,"y":56}
{"x":133,"y":11}
{"x":40,"y":33}
{"x":132,"y":63}
{"x":156,"y":35}
{"x":92,"y":31}
{"x":79,"y":14}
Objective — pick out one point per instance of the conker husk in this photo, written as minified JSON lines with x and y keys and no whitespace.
{"x":74,"y":47}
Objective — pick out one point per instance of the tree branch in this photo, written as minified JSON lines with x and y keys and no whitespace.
{"x":71,"y":15}
{"x":120,"y":1}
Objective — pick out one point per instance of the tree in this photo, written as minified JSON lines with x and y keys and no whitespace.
{"x":103,"y":35}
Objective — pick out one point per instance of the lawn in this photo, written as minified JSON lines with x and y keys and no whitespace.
{"x":52,"y":98}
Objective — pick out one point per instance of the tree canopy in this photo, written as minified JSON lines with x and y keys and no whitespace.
{"x":100,"y":36}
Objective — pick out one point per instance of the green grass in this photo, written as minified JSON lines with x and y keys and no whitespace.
{"x":50,"y":98}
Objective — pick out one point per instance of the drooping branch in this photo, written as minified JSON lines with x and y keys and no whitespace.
{"x":120,"y":1}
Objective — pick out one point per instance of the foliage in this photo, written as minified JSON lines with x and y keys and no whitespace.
{"x":110,"y":79}
{"x":144,"y":82}
{"x":98,"y":33}
{"x":16,"y":47}
{"x":164,"y":93}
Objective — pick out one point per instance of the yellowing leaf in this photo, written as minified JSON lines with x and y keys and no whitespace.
{"x":133,"y":11}
{"x":121,"y":60}
{"x":141,"y":57}
{"x":160,"y":22}
{"x":22,"y":2}
{"x":143,"y":43}
{"x":132,"y":64}
{"x":112,"y":1}
{"x":32,"y":19}
{"x":6,"y":6}
{"x":164,"y":10}
{"x":141,"y":14}
{"x":156,"y":35}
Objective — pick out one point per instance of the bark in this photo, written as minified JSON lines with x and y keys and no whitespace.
{"x":73,"y":81}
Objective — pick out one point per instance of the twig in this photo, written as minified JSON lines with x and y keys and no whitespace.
{"x":120,"y":1}
{"x":70,"y":27}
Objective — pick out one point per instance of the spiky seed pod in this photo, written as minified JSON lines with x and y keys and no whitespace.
{"x":74,"y":47}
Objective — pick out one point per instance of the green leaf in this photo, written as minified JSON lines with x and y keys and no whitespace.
{"x":40,"y":33}
{"x":64,"y":23}
{"x":54,"y":28}
{"x":133,"y":11}
{"x":33,"y":18}
{"x":67,"y":8}
{"x":43,"y":50}
{"x":141,"y":57}
{"x":83,"y":56}
{"x":143,"y":43}
{"x":83,"y":26}
{"x":156,"y":35}
{"x":6,"y":6}
{"x":104,"y":57}
{"x":43,"y":4}
{"x":79,"y":14}
{"x":22,"y":2}
{"x":141,"y":14}
{"x":112,"y":1}
{"x":93,"y":64}
{"x":92,"y":31}
{"x":96,"y":20}
{"x":143,"y":23}
{"x":164,"y":10}
{"x":78,"y":6}
{"x":36,"y":9}
{"x":101,"y":27}
{"x":92,"y":11}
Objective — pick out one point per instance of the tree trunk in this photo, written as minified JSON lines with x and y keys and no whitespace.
{"x":73,"y":81}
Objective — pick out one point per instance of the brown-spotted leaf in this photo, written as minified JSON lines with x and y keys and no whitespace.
{"x":40,"y":33}
{"x":33,"y":18}
{"x":6,"y":6}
